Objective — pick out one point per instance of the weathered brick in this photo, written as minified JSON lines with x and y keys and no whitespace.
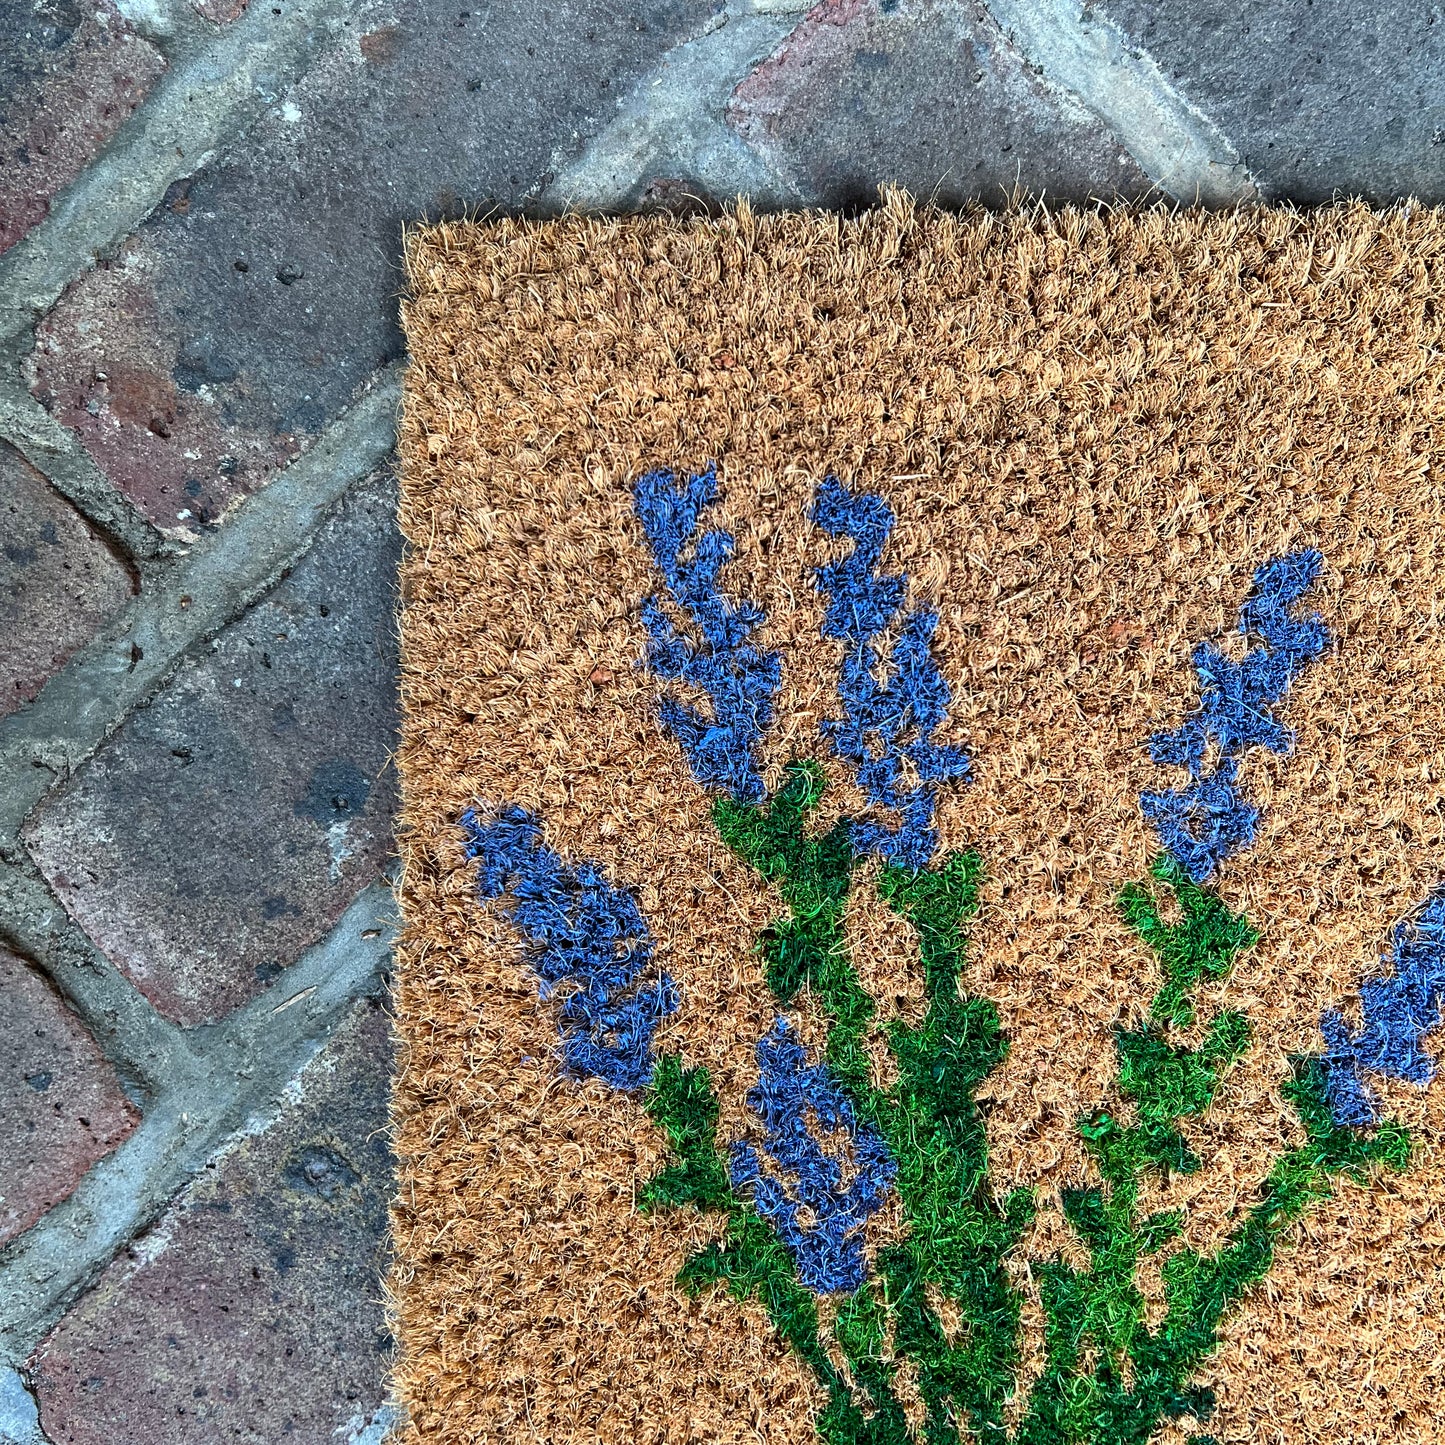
{"x":61,"y":1107}
{"x":69,"y":75}
{"x":248,"y":310}
{"x":58,"y":580}
{"x":927,"y":94}
{"x":252,"y":1312}
{"x":1333,"y":97}
{"x":226,"y":826}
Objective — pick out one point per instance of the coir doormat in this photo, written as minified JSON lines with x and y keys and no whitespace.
{"x":924,"y":830}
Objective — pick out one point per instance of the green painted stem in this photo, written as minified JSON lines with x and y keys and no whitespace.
{"x":1108,"y":1379}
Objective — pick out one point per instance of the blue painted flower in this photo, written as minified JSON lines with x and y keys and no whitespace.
{"x":738,"y":680}
{"x":587,"y":939}
{"x":817,"y":1213}
{"x":1397,"y":1012}
{"x":886,"y":731}
{"x":1204,"y":823}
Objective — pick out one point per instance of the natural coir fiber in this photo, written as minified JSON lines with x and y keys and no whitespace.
{"x":923,"y":829}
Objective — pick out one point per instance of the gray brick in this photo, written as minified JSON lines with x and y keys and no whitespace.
{"x":1333,"y":97}
{"x":252,"y":1312}
{"x":927,"y":94}
{"x":246,"y":313}
{"x":58,"y":580}
{"x":226,"y":826}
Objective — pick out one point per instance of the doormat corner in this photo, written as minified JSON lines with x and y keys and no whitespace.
{"x":923,"y":845}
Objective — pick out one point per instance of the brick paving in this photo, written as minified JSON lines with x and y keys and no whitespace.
{"x":222,"y":1321}
{"x":226,"y":826}
{"x":61,"y":1105}
{"x":59,"y":580}
{"x":70,"y":74}
{"x":856,"y":92}
{"x":201,"y":204}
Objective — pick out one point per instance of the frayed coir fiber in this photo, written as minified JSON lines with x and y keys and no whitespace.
{"x":923,"y":829}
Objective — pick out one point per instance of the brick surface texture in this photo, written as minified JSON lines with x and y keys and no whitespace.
{"x":1324,"y":99}
{"x":59,"y":581}
{"x":61,"y":1107}
{"x":245,"y":314}
{"x":251,"y":1312}
{"x":70,"y":75}
{"x":930,"y":95}
{"x":226,"y":826}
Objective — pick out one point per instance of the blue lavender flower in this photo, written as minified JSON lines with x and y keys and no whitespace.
{"x":885,"y":726}
{"x":739,"y":681}
{"x":584,"y":936}
{"x":1397,"y":1013}
{"x":828,"y":1251}
{"x":1204,"y":823}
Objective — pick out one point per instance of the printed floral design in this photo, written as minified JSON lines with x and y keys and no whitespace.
{"x":836,"y":1145}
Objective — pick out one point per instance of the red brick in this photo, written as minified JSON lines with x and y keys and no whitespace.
{"x":107,"y":363}
{"x":58,"y":580}
{"x":61,"y":1108}
{"x":70,"y":84}
{"x":252,"y":1313}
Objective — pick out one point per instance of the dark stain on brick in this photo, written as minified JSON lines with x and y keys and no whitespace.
{"x":200,"y":363}
{"x":307,"y":414}
{"x":337,"y":791}
{"x":321,"y":1170}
